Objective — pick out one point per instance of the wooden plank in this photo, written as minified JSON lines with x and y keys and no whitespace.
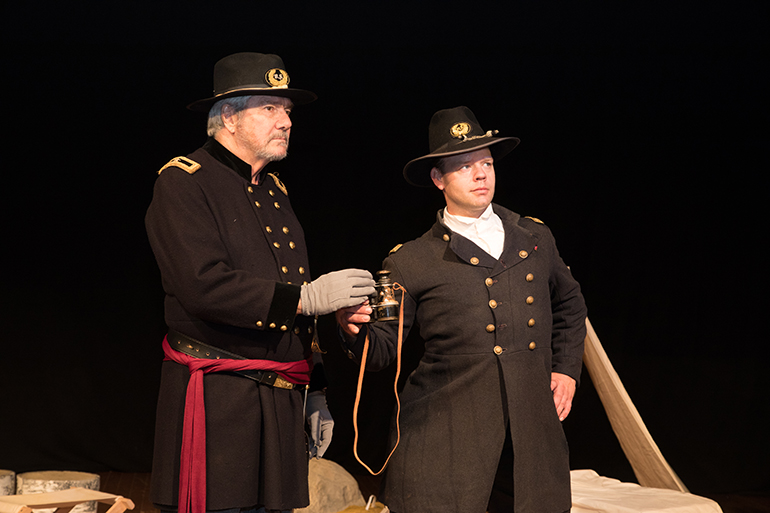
{"x":135,"y":485}
{"x":649,"y":465}
{"x":63,"y":498}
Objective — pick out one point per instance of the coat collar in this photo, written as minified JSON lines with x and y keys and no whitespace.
{"x":520,"y":242}
{"x":229,"y":159}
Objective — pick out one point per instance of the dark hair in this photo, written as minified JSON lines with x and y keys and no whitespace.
{"x":439,"y":164}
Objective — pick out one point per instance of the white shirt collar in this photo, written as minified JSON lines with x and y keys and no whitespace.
{"x":486,"y":231}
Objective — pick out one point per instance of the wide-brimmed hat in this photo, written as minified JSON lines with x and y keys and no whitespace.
{"x":454,"y":131}
{"x":248,"y":73}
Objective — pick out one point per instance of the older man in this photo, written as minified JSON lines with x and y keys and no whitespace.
{"x":240,"y":307}
{"x":503,"y":323}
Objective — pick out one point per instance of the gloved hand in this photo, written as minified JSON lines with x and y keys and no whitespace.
{"x":335,"y":290}
{"x":320,"y":421}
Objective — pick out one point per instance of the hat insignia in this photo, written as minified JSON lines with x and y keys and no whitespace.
{"x":276,"y":77}
{"x":458,"y":130}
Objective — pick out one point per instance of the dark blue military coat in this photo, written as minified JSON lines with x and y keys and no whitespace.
{"x":232,"y":257}
{"x":494,"y":331}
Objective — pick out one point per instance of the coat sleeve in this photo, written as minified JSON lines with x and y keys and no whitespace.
{"x":569,"y":314}
{"x":195,"y":266}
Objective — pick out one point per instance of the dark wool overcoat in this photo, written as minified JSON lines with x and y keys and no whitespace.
{"x":232,"y":257}
{"x":494,"y":330}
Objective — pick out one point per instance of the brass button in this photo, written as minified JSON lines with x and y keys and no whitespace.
{"x":292,"y":245}
{"x":276,"y":205}
{"x":284,"y":327}
{"x":277,"y":245}
{"x":296,"y":330}
{"x":523,"y":254}
{"x":445,"y":237}
{"x":532,"y":345}
{"x":285,"y":230}
{"x":530,"y":277}
{"x":310,"y":329}
{"x":271,"y":193}
{"x":492,"y":303}
{"x":498,"y":350}
{"x":530,"y":300}
{"x":531,"y":322}
{"x":489,"y":282}
{"x":285,"y":270}
{"x":250,"y":189}
{"x":302,"y":270}
{"x":272,"y":326}
{"x":257,"y":204}
{"x":474,"y":261}
{"x":268,"y":229}
{"x":490,"y":328}
{"x":259,"y":324}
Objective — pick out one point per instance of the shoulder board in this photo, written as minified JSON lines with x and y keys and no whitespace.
{"x":182,"y":163}
{"x":395,"y":249}
{"x":278,"y":183}
{"x":535,"y":219}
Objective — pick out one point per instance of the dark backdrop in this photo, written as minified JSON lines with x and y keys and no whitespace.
{"x":644,"y":134}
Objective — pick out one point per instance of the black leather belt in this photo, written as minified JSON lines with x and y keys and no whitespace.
{"x":198,"y":349}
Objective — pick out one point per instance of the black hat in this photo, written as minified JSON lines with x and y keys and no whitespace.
{"x":248,"y":73}
{"x":454,"y":131}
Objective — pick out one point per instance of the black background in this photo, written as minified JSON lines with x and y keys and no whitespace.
{"x":644,"y":134}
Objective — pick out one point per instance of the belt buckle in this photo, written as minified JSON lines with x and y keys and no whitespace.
{"x":282,"y":383}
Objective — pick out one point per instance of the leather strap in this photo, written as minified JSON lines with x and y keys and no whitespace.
{"x":362,"y":368}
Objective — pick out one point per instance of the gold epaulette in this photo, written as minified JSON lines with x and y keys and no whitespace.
{"x":535,"y":219}
{"x":395,"y":249}
{"x":278,"y":183}
{"x":182,"y":163}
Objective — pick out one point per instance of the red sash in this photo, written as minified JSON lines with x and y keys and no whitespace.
{"x":192,"y":466}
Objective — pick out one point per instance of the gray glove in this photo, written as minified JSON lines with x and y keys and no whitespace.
{"x":321,"y":423}
{"x":338,"y":289}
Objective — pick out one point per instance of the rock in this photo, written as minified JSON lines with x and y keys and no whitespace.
{"x":332,"y":488}
{"x":54,"y":481}
{"x":7,"y":482}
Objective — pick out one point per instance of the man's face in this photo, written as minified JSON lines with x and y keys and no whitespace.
{"x":468,"y":182}
{"x":263,"y":128}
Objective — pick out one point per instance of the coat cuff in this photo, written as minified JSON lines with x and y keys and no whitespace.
{"x":283,"y":308}
{"x":569,"y":366}
{"x":353,"y":346}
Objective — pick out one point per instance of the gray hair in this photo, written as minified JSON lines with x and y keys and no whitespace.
{"x":215,"y":124}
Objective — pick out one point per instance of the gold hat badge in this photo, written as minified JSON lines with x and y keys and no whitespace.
{"x":276,"y":77}
{"x":459,"y":130}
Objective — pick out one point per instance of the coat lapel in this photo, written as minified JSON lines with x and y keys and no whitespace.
{"x":520,"y":243}
{"x":463,"y":248}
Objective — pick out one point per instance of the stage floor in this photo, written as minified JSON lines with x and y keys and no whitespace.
{"x":136,"y":486}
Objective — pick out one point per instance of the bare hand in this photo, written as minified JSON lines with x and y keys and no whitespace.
{"x":350,"y":319}
{"x":563,"y":388}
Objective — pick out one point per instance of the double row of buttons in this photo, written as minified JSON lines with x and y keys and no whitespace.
{"x":271,"y":193}
{"x":493,"y":304}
